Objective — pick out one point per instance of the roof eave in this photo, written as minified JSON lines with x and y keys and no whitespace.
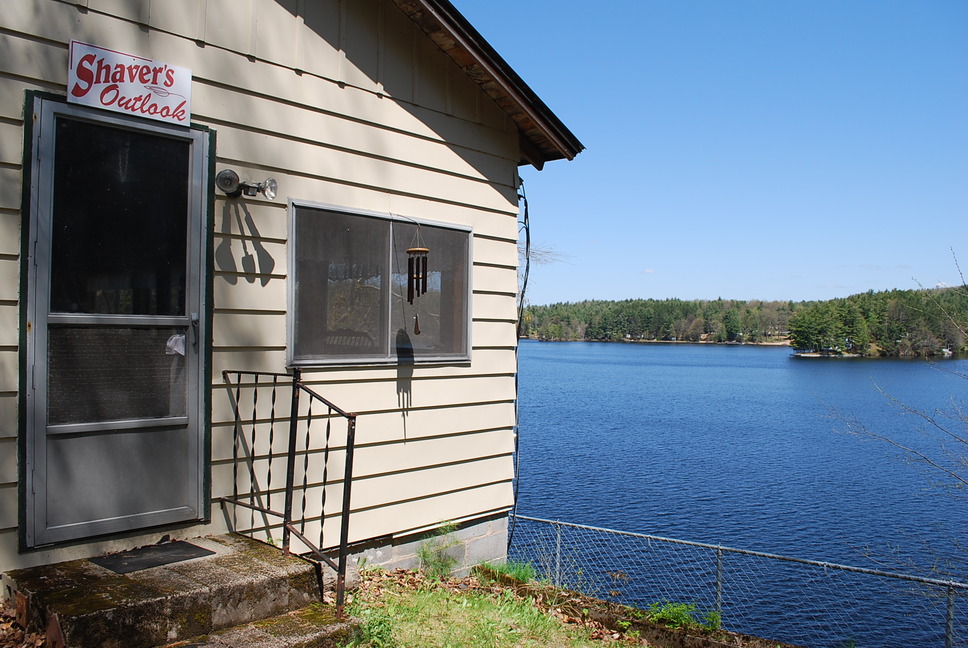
{"x":543,"y":135}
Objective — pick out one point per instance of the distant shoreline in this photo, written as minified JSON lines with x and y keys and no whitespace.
{"x":785,"y":343}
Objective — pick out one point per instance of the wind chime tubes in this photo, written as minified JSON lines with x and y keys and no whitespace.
{"x":416,"y":272}
{"x":416,"y":278}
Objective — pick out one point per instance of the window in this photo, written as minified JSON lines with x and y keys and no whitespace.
{"x":348,"y":289}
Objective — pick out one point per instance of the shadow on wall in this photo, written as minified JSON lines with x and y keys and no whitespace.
{"x":252,"y":266}
{"x":404,"y":375}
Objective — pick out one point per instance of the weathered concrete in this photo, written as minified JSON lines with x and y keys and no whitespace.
{"x":310,"y":627}
{"x":481,"y":540}
{"x":83,"y":605}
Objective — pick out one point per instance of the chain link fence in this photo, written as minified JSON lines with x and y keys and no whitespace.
{"x":802,"y":602}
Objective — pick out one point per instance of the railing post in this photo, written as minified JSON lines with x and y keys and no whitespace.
{"x":344,"y":535}
{"x":949,"y":633}
{"x":557,"y":581}
{"x":719,"y":581}
{"x":291,"y":459}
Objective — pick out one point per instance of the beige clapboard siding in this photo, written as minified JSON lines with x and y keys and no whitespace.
{"x":376,"y":427}
{"x":384,"y":461}
{"x":246,"y":295}
{"x":350,"y":167}
{"x":9,"y":325}
{"x":372,"y":428}
{"x":8,"y":415}
{"x":423,"y":513}
{"x":367,"y":493}
{"x":8,"y":369}
{"x":265,"y":225}
{"x":388,"y":490}
{"x":315,"y":38}
{"x":253,"y":295}
{"x":493,"y":306}
{"x":495,"y":334}
{"x":215,"y":65}
{"x":249,"y":329}
{"x":500,"y":252}
{"x":271,"y":219}
{"x":376,"y":395}
{"x":8,"y":503}
{"x":373,"y":460}
{"x":9,"y":277}
{"x":370,"y":462}
{"x":268,"y":259}
{"x":29,"y":59}
{"x":8,"y":478}
{"x":221,"y":106}
{"x":8,"y":459}
{"x":9,"y":233}
{"x":12,"y":93}
{"x":11,"y":136}
{"x":381,"y":395}
{"x":495,"y":278}
{"x":494,"y":362}
{"x":371,"y":522}
{"x":9,"y":189}
{"x":260,"y":219}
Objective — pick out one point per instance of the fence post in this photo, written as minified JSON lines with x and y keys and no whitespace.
{"x":291,"y":461}
{"x":557,"y":582}
{"x":719,"y":582}
{"x":949,"y":633}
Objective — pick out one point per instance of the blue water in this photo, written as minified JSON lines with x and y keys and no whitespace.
{"x":735,"y":445}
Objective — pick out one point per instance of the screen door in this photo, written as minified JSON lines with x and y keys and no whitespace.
{"x":115,"y":293}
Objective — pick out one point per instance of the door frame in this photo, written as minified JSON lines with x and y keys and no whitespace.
{"x":33,"y":315}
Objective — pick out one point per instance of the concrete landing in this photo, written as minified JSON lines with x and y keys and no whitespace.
{"x":83,"y":605}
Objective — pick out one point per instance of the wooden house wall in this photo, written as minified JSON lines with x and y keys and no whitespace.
{"x":344,"y":102}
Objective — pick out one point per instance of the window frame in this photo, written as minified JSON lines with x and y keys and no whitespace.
{"x":391,"y":358}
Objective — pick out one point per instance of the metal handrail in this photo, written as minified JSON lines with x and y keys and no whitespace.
{"x":290,"y":526}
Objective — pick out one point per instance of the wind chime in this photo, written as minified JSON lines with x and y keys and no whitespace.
{"x":416,"y":274}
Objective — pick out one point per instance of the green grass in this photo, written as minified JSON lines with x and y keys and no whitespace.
{"x":407,"y":611}
{"x":522,"y":571}
{"x":682,"y":615}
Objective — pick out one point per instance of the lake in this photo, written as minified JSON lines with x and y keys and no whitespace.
{"x":736,"y":445}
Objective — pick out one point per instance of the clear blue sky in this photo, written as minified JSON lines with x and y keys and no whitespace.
{"x":787,"y":149}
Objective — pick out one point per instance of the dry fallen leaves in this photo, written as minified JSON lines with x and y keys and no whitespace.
{"x":13,"y":636}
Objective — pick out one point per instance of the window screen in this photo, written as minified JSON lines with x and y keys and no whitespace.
{"x":348,"y":290}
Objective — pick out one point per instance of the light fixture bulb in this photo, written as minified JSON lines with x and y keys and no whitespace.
{"x":269,"y":188}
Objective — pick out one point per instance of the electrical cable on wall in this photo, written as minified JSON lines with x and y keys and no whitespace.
{"x":525,"y":229}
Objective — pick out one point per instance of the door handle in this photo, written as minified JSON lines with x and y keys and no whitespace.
{"x":194,"y":330}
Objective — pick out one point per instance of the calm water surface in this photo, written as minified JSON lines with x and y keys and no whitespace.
{"x":734,"y":445}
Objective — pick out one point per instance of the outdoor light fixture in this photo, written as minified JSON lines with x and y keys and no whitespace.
{"x":229,"y":183}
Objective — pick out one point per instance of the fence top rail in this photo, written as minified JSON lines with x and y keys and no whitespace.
{"x":803,"y":561}
{"x":335,"y":408}
{"x":242,"y":372}
{"x":295,"y":377}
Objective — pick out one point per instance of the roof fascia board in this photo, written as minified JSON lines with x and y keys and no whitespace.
{"x":470,"y":40}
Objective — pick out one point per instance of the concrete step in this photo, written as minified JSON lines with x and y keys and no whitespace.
{"x":83,"y":605}
{"x":314,"y":626}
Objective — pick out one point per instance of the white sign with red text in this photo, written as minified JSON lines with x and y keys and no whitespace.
{"x":129,"y":84}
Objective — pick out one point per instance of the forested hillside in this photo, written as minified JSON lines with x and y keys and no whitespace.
{"x":895,"y":323}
